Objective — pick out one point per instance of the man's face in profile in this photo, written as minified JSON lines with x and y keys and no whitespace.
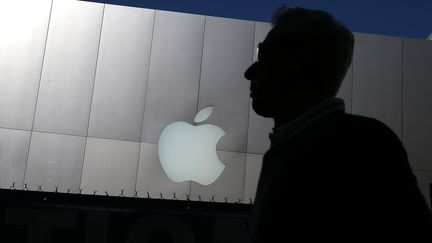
{"x":270,"y":77}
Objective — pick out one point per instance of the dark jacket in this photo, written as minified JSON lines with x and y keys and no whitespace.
{"x":343,"y":178}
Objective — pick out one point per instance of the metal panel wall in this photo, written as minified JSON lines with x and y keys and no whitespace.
{"x":377,"y":79}
{"x":252,"y":173}
{"x":228,"y":50}
{"x":23,"y":26}
{"x":14,"y":146}
{"x":121,"y":75}
{"x":172,"y":90}
{"x":68,"y":71}
{"x":417,"y":102}
{"x":55,"y":161}
{"x":191,"y":61}
{"x":110,"y":166}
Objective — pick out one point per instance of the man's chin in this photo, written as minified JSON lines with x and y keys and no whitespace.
{"x":261,"y":109}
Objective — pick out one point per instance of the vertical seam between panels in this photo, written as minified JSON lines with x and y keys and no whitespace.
{"x":248,"y":120}
{"x":92,"y":93}
{"x":38,"y":89}
{"x":199,"y":83}
{"x":145,"y":99}
{"x":202,"y":57}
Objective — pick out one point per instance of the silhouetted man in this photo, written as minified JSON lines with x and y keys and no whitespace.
{"x":328,"y":175}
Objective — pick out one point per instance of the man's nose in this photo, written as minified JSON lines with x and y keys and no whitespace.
{"x":250,"y":73}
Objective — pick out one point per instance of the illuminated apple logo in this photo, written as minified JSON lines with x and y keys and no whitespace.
{"x":188,"y":152}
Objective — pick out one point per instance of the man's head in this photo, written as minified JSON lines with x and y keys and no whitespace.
{"x":302,"y":61}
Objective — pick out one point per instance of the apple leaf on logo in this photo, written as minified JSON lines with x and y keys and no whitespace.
{"x":203,"y":114}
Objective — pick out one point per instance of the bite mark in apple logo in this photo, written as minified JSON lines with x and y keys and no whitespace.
{"x":188,"y":152}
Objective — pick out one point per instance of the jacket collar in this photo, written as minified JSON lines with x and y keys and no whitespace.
{"x":318,"y":111}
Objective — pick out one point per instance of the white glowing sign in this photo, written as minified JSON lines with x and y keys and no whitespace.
{"x":188,"y":152}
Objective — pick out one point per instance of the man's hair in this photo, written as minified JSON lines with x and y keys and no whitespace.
{"x":321,"y":46}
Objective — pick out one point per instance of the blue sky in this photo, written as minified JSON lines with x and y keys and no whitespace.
{"x":388,"y":17}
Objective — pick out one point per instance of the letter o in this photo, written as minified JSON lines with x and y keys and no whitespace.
{"x":178,"y":229}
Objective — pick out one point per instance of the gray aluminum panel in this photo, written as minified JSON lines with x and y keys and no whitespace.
{"x":121,"y":75}
{"x":14,"y":146}
{"x":230,"y":184}
{"x":253,"y":170}
{"x":110,"y":165}
{"x":258,"y":134}
{"x":259,"y":127}
{"x":417,"y":103}
{"x":377,"y":79}
{"x":55,"y":160}
{"x":23,"y":35}
{"x":345,"y":91}
{"x":172,"y":90}
{"x":227,"y":53}
{"x":69,"y":66}
{"x":152,"y":179}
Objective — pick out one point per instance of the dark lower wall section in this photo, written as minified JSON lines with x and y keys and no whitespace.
{"x":29,"y":216}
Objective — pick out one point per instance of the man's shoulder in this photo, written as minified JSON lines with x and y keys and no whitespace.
{"x":349,"y":125}
{"x":364,"y":125}
{"x":361,"y":121}
{"x":366,"y":132}
{"x":346,"y":130}
{"x":350,"y":130}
